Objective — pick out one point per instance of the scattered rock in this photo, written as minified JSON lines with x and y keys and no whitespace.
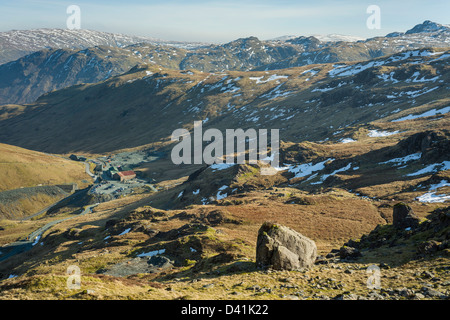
{"x":288,"y":286}
{"x":428,"y":247}
{"x":321,"y":260}
{"x":427,"y":275}
{"x":408,"y":293}
{"x":90,"y":292}
{"x":139,"y":265}
{"x":283,"y":248}
{"x":375,"y":296}
{"x":426,"y":285}
{"x":254,"y":288}
{"x":267,"y":290}
{"x":299,"y":293}
{"x":433,"y":293}
{"x":350,"y":296}
{"x":288,"y":279}
{"x":213,"y":218}
{"x":349,"y":253}
{"x":331,"y":255}
{"x":419,"y":296}
{"x":160,"y":262}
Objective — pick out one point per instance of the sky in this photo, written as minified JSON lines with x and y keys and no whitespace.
{"x":223,"y":21}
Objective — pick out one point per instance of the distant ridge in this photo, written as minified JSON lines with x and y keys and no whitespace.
{"x":17,"y":43}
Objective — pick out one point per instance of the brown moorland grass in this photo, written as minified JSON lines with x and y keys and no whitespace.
{"x":26,"y":168}
{"x":329,"y":219}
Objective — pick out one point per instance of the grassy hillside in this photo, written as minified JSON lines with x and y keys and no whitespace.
{"x":212,"y":249}
{"x":25,"y":168}
{"x":24,"y":202}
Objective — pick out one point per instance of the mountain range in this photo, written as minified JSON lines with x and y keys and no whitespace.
{"x":307,"y":103}
{"x":106,"y":55}
{"x":18,"y":43}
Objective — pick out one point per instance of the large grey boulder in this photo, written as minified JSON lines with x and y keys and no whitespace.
{"x":282,"y":248}
{"x":404,"y":217}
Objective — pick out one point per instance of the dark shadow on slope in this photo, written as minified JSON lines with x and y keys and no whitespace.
{"x":393,"y":246}
{"x":213,"y":267}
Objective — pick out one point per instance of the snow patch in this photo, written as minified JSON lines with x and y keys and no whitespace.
{"x":347,"y":140}
{"x":405,"y":159}
{"x":221,"y":166}
{"x":271,"y":78}
{"x":377,"y":134}
{"x":443,"y":183}
{"x":221,"y":195}
{"x":125,"y":232}
{"x":349,"y":70}
{"x":429,"y":113}
{"x":432,"y":197}
{"x":152,"y":253}
{"x":432,"y":168}
{"x":306,"y":169}
{"x":325,"y":176}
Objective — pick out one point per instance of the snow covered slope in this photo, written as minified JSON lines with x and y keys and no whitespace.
{"x":17,"y":43}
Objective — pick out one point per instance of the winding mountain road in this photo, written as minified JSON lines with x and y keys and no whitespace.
{"x":88,"y":171}
{"x":42,"y":211}
{"x":21,"y":246}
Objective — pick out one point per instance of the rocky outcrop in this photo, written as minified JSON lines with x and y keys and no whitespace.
{"x":406,"y":229}
{"x":282,"y":248}
{"x":138,"y":265}
{"x":404,"y":217}
{"x":433,"y":145}
{"x":349,"y":253}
